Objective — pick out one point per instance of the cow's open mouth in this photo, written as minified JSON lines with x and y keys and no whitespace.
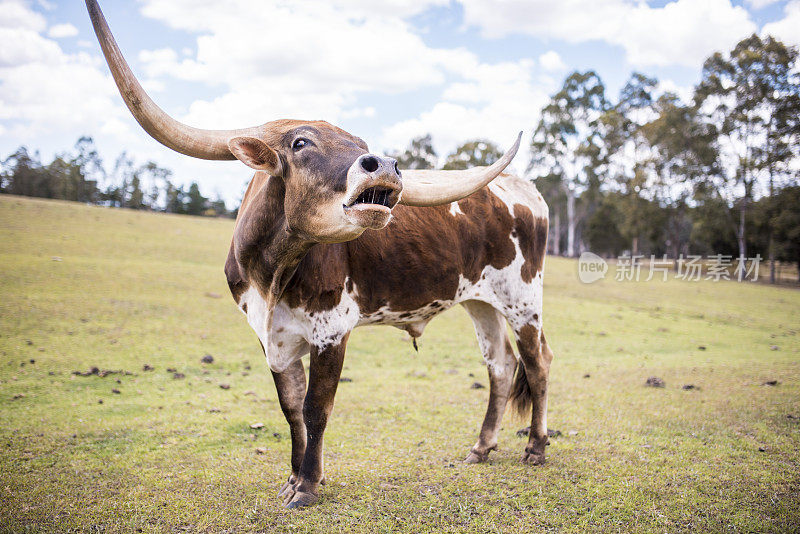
{"x":381,"y":196}
{"x":371,"y":207}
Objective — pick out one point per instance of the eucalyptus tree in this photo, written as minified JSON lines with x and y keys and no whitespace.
{"x":420,"y":154}
{"x":630,"y":155}
{"x":566,"y":143}
{"x":475,"y":153}
{"x":747,"y":95}
{"x":684,"y":154}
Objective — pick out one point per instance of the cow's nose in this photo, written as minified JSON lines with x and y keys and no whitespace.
{"x":370,"y":163}
{"x":379,"y":165}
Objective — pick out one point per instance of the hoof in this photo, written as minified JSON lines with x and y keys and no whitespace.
{"x":532,"y":458}
{"x":286,"y":489}
{"x":301,"y":499}
{"x":476,"y":458}
{"x":287,"y":486}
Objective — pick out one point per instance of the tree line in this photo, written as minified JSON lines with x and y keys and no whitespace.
{"x":79,"y":175}
{"x":648,"y":173}
{"x":642,"y":173}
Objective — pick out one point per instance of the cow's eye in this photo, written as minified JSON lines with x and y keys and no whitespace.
{"x":299,"y":143}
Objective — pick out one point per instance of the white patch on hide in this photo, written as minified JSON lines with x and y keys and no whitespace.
{"x":455,"y":209}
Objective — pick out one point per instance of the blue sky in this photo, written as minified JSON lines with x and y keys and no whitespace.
{"x":386,"y":71}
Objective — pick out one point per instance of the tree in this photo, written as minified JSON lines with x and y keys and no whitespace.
{"x":785,"y":223}
{"x":158,"y":177}
{"x":745,"y":95}
{"x":476,"y":153}
{"x":551,"y":188}
{"x":135,"y":194}
{"x":603,"y":228}
{"x":196,"y":202}
{"x":117,"y":192}
{"x":630,"y":154}
{"x":566,"y":143}
{"x":218,"y":207}
{"x":23,"y":175}
{"x":90,"y":168}
{"x":419,"y":155}
{"x":175,"y":198}
{"x":684,"y":154}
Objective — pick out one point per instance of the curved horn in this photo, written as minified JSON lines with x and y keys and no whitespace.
{"x":433,"y":188}
{"x":195,"y":142}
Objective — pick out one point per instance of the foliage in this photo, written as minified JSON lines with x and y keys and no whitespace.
{"x":80,"y":176}
{"x":476,"y":153}
{"x":784,"y":213}
{"x":567,"y":143}
{"x":419,"y":154}
{"x":750,"y":96}
{"x":674,"y":177}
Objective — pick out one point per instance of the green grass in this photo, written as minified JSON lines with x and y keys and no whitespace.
{"x":178,"y":454}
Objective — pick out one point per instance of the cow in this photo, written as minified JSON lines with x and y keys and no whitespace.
{"x":331,"y":236}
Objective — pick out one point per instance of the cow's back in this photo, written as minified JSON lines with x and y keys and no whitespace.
{"x":429,"y":254}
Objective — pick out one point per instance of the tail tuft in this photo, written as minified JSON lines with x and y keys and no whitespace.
{"x":521,"y":398}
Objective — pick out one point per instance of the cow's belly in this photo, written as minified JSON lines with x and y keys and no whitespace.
{"x":294,"y":330}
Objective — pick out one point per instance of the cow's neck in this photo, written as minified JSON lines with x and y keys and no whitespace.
{"x":267,"y":250}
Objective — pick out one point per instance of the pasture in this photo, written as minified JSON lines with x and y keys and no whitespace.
{"x":172,"y":448}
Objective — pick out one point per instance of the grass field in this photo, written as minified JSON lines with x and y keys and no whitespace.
{"x":115,"y":289}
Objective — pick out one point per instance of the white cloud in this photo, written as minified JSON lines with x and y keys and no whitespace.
{"x":44,"y":90}
{"x":788,"y":28}
{"x":494,"y":103}
{"x":551,"y":61}
{"x":686,"y":93}
{"x":761,"y":4}
{"x":60,"y":31}
{"x":683,"y":32}
{"x":305,"y":59}
{"x":16,"y":14}
{"x":22,"y":46}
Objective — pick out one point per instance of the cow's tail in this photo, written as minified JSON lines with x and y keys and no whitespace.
{"x":521,"y":398}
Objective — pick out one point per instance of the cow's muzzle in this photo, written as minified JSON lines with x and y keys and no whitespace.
{"x":374,"y":188}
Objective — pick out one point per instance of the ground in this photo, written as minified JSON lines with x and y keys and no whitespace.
{"x":84,"y":287}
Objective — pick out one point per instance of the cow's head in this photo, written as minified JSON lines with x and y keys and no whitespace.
{"x":334,"y":187}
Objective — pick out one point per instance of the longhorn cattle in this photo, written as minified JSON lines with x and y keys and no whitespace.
{"x":330,"y":236}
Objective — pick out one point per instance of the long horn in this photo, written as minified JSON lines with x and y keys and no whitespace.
{"x":433,"y":188}
{"x":195,"y":142}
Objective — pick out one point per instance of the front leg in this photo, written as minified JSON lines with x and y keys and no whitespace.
{"x":291,"y":385}
{"x":325,"y":370}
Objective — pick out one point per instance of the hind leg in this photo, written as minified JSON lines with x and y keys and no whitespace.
{"x":531,"y":387}
{"x":490,"y":327}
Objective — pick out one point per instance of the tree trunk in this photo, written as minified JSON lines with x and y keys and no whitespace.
{"x":769,"y":222}
{"x":635,"y":246}
{"x":741,"y":235}
{"x":771,"y":259}
{"x":557,"y":233}
{"x":570,"y":223}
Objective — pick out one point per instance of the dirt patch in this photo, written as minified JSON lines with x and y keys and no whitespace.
{"x":102,"y":373}
{"x":654,"y":382}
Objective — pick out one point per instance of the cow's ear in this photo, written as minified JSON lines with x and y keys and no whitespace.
{"x":255,"y":153}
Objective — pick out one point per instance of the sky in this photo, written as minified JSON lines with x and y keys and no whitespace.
{"x":386,"y":71}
